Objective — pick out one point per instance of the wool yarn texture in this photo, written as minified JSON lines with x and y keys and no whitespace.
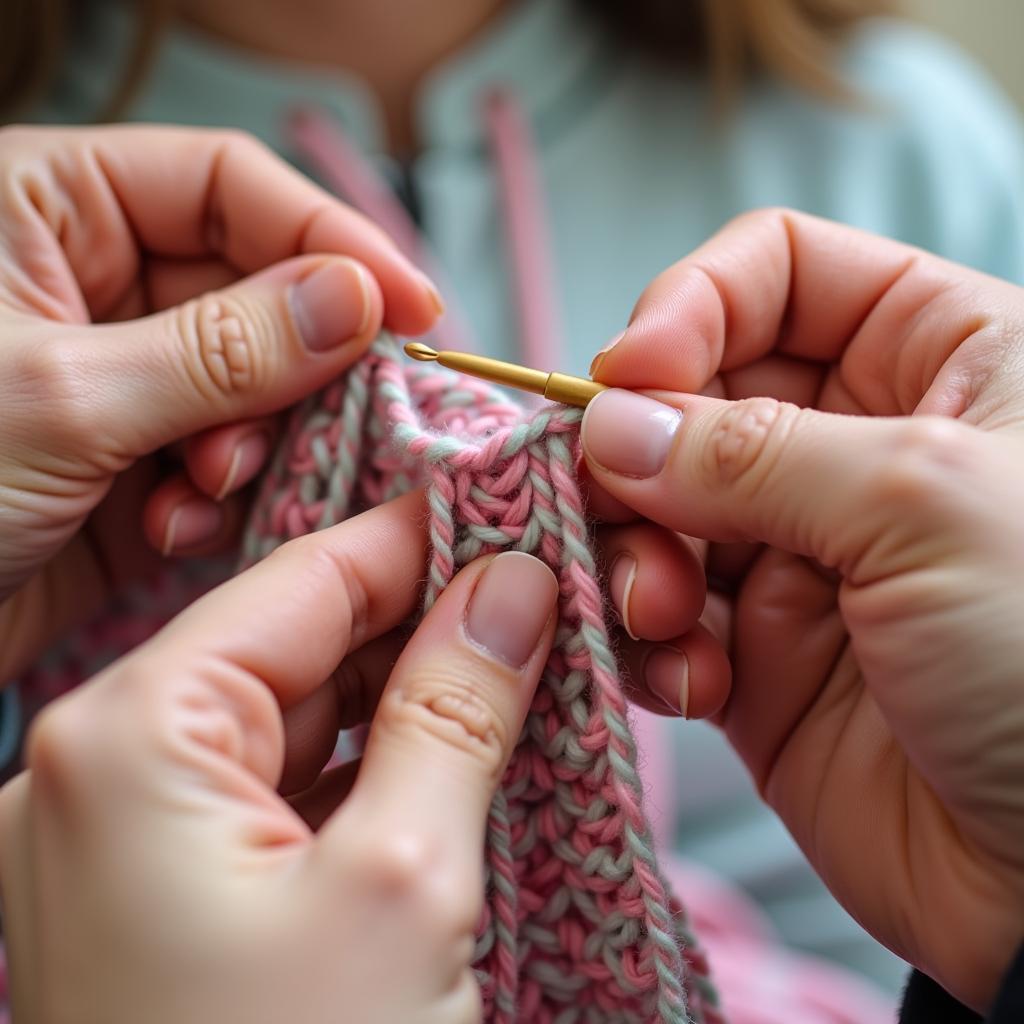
{"x":579,"y":926}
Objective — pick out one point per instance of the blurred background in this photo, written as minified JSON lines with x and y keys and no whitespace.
{"x":991,"y":30}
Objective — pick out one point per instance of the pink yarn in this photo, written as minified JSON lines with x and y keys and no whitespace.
{"x":576,"y":900}
{"x":578,"y":924}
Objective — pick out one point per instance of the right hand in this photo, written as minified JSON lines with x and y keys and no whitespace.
{"x":872,"y":450}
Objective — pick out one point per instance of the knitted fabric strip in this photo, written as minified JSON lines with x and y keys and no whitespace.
{"x":578,"y":924}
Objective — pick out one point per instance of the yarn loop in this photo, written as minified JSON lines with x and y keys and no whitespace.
{"x":578,"y":926}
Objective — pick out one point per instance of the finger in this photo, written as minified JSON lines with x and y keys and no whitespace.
{"x":223,"y":460}
{"x":233,"y":355}
{"x":781,"y":280}
{"x":812,"y":483}
{"x":182,"y":193}
{"x":108,"y":552}
{"x":180,"y":521}
{"x":325,"y":794}
{"x":452,"y":713}
{"x":349,"y":698}
{"x":793,"y":639}
{"x":798,"y":381}
{"x":163,"y":283}
{"x":717,"y":618}
{"x":600,"y":504}
{"x":727,"y":564}
{"x":655,"y":580}
{"x":689,"y":676}
{"x":171,"y":282}
{"x":362,"y":676}
{"x":290,"y":619}
{"x":193,"y":716}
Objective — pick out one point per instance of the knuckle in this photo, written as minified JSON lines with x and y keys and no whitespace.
{"x":229,"y":714}
{"x":746,"y":441}
{"x":21,"y":139}
{"x":398,"y":866}
{"x":763,"y":218}
{"x":758,"y":215}
{"x":53,"y":747}
{"x":445,"y":702}
{"x":925,"y":453}
{"x":227,"y":344}
{"x":406,"y":870}
{"x":466,"y":1002}
{"x":313,"y":562}
{"x":240,"y":143}
{"x":53,"y":382}
{"x":303,"y":554}
{"x":14,"y":136}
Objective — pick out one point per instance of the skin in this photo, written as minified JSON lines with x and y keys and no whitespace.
{"x":119,"y":408}
{"x":871,"y":562}
{"x":159,"y":775}
{"x":105,"y":237}
{"x":854,"y":458}
{"x":346,"y":34}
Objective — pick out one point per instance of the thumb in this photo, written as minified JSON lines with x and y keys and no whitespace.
{"x":451,"y":714}
{"x":241,"y":352}
{"x":813,"y":483}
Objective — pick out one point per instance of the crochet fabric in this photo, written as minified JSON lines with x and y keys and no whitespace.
{"x":578,"y":925}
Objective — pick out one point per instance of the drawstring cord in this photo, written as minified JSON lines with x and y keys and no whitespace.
{"x":321,"y":142}
{"x":526,"y":235}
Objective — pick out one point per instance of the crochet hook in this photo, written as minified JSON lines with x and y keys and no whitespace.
{"x":558,"y":387}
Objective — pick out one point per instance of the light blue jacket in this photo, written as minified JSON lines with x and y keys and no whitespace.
{"x":636,"y":175}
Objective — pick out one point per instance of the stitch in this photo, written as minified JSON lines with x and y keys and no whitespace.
{"x":578,"y":926}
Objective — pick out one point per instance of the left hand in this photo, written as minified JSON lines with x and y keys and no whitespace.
{"x":160,"y":288}
{"x":149,"y":870}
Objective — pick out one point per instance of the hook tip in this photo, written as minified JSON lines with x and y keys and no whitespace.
{"x":417,"y":350}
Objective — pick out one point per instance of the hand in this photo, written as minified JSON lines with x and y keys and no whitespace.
{"x":867,"y":522}
{"x":149,"y":869}
{"x":129,"y":323}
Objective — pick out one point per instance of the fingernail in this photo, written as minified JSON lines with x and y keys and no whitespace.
{"x":191,"y":523}
{"x":599,"y":358}
{"x":620,"y":585}
{"x":246,"y":461}
{"x":513,"y":600}
{"x":629,"y":434}
{"x":667,"y":675}
{"x":435,"y":295}
{"x":332,"y":305}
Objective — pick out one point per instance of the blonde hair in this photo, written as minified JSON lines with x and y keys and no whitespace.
{"x":795,"y":40}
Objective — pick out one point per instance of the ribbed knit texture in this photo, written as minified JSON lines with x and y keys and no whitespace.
{"x":578,"y":926}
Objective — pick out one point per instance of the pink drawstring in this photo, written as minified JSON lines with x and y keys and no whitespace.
{"x":321,"y":142}
{"x":526,"y":235}
{"x":319,"y":139}
{"x":345,"y":170}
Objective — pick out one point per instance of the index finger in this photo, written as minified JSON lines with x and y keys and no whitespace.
{"x":786,"y":282}
{"x":290,"y":619}
{"x":110,"y":195}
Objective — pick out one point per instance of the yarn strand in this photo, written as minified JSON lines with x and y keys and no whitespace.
{"x":579,"y":927}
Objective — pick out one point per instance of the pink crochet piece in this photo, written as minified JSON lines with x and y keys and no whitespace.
{"x":578,"y":925}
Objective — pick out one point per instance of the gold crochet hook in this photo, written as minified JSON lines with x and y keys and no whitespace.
{"x":558,"y":387}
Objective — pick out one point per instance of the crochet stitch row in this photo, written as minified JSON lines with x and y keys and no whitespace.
{"x":578,"y":925}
